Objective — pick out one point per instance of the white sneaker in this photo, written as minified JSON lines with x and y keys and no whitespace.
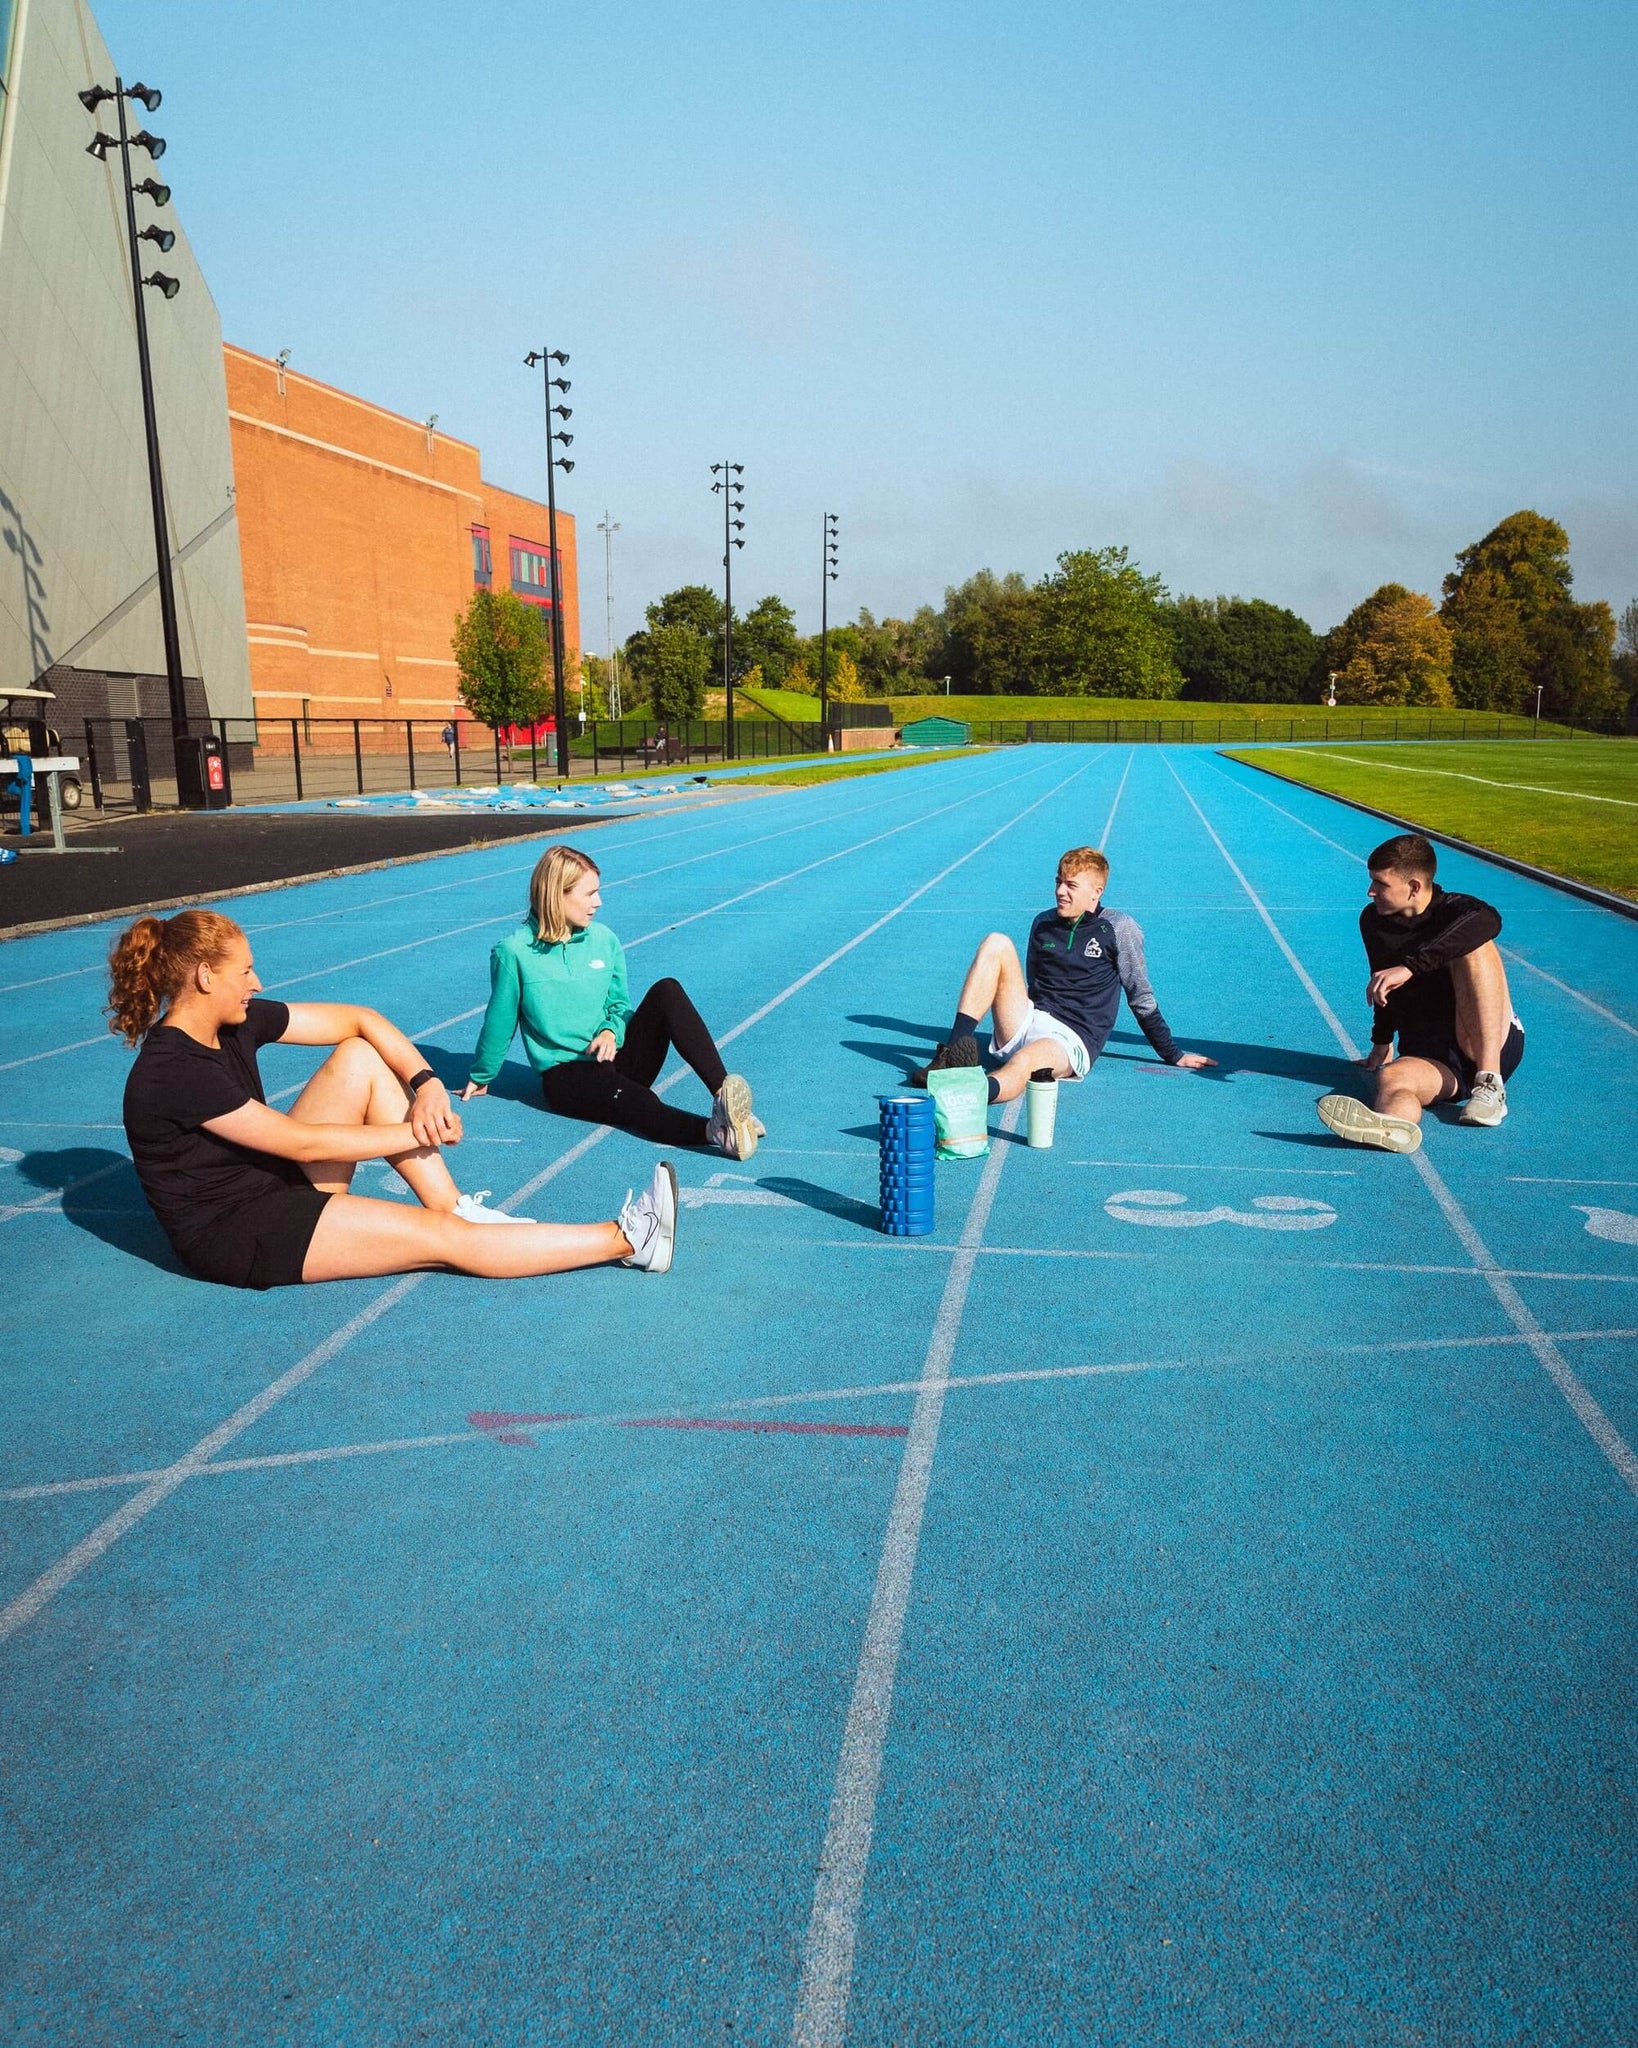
{"x":1347,"y":1117}
{"x":649,"y":1221}
{"x":1487,"y":1104}
{"x":470,"y":1209}
{"x":733,"y":1130}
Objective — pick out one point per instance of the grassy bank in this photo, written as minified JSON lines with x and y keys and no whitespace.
{"x":837,"y":767}
{"x":1570,"y":806}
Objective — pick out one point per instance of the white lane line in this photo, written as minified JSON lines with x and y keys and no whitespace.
{"x":1583,"y":796}
{"x":510,"y":916}
{"x":1598,"y":1009}
{"x":1176,"y":1166}
{"x":107,"y":1533}
{"x":52,"y":1196}
{"x":1552,"y":1361}
{"x":1109,"y":822}
{"x":827,"y":1959}
{"x":957,"y":1382}
{"x":1559,"y":1180}
{"x":22,"y":1610}
{"x":904,"y":1247}
{"x":12,"y":987}
{"x":1346,"y":851}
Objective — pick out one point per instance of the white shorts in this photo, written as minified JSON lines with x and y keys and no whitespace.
{"x":1038,"y":1025}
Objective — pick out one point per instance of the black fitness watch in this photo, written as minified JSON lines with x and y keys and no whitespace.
{"x":417,"y":1082}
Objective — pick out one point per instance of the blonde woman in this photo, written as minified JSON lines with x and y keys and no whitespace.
{"x":562,"y":976}
{"x":251,"y":1197}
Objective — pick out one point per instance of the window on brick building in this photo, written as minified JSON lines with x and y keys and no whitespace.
{"x":531,"y":572}
{"x":482,"y":567}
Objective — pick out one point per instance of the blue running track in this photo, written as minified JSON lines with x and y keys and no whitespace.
{"x":1185,"y":1603}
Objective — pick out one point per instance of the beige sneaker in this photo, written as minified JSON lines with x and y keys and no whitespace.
{"x":1487,"y":1104}
{"x":1347,"y":1117}
{"x":733,"y":1129}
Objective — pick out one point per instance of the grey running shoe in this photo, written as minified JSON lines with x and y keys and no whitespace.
{"x":733,"y":1130}
{"x":649,"y":1221}
{"x":1347,"y":1117}
{"x":1488,"y":1102}
{"x":470,"y":1209}
{"x":953,"y":1052}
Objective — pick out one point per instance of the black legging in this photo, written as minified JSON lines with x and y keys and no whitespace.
{"x":620,"y":1091}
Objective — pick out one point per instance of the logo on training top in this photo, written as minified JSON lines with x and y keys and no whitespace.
{"x":1094,"y":950}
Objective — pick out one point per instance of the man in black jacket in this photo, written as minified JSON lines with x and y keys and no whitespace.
{"x":1438,"y":985}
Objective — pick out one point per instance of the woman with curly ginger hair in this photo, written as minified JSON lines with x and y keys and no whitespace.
{"x":252,"y":1197}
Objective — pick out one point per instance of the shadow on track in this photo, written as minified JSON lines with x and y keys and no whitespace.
{"x":102,"y":1196}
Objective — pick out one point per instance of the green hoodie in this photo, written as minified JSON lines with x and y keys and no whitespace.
{"x":563,"y":995}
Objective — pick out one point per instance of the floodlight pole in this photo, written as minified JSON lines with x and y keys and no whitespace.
{"x":827,"y":576}
{"x":608,"y":528}
{"x":554,"y":461}
{"x":150,"y":426}
{"x":730,"y":484}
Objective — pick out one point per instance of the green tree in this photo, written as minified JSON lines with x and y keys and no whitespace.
{"x":961,"y":631}
{"x":1626,"y":662}
{"x":1102,"y":633}
{"x":500,"y":647}
{"x":766,"y":638}
{"x":1002,"y":641}
{"x":677,"y":668}
{"x":1236,"y":650}
{"x":1516,"y":627}
{"x":1392,"y":649}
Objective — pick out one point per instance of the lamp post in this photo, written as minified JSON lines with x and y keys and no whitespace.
{"x":827,"y":576}
{"x":608,"y":528}
{"x":163,"y":239}
{"x":728,"y":475}
{"x":555,"y":462}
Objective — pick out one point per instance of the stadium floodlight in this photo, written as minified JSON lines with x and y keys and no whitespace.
{"x":544,"y":358}
{"x":830,"y":554}
{"x":727,"y":476}
{"x":91,"y":98}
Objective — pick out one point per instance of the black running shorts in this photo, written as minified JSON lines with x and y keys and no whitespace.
{"x":262,"y":1245}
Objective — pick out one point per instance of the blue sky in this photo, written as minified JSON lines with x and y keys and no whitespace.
{"x":1290,"y":300}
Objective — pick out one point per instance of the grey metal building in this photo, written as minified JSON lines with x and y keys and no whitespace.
{"x":78,"y":605}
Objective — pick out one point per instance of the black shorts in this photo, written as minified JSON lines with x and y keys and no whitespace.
{"x":262,"y":1245}
{"x":1465,"y":1070}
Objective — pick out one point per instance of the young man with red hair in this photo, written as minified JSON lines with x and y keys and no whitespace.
{"x":1055,"y":1009}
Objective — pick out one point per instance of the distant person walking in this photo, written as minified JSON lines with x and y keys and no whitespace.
{"x":448,"y":737}
{"x":562,"y":976}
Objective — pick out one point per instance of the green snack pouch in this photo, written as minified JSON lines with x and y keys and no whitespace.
{"x":961,"y":1111}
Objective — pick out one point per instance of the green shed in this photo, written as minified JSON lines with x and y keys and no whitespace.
{"x":934,"y":732}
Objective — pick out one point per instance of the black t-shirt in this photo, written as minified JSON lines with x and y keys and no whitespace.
{"x":193,"y":1178}
{"x":1423,"y":1010}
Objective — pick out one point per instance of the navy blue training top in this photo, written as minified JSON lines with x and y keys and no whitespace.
{"x":1076,"y":969}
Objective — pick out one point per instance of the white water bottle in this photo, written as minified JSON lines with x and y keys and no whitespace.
{"x":1041,"y":1103}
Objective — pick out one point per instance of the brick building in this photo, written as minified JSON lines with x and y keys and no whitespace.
{"x":362,"y":535}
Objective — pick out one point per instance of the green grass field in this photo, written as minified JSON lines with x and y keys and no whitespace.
{"x":839,"y":769}
{"x":1570,"y":806}
{"x":1188,"y":721}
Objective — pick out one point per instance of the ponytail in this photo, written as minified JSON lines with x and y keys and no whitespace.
{"x":152,"y":960}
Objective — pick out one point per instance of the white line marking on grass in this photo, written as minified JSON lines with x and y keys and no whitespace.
{"x":85,"y":1553}
{"x":1455,"y":775}
{"x":1558,"y":1369}
{"x":1598,"y":1009}
{"x":827,"y":1960}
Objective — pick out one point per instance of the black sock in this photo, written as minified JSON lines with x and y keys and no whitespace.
{"x":995,"y":1088}
{"x":964,"y":1026}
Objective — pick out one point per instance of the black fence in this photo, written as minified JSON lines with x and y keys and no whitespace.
{"x":131,"y":762}
{"x":1405,"y":725}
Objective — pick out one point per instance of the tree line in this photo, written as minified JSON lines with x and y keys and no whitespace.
{"x":1506,"y":626}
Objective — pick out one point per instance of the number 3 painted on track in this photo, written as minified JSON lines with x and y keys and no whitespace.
{"x":1165,"y":1211}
